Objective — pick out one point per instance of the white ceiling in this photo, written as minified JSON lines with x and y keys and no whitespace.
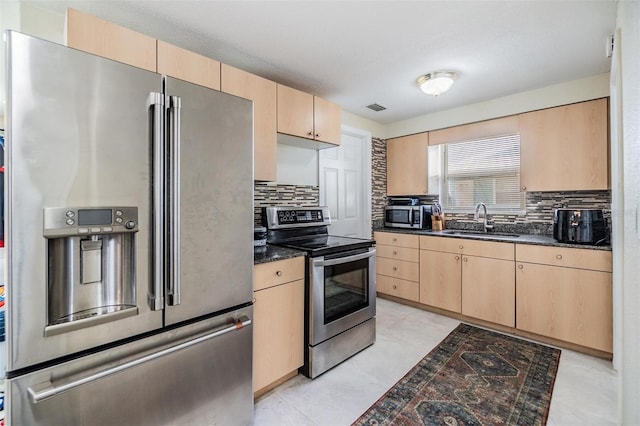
{"x":359,"y":52}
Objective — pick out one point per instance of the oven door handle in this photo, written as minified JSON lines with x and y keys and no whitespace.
{"x":346,"y":259}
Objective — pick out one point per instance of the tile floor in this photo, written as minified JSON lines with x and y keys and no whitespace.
{"x":584,"y":392}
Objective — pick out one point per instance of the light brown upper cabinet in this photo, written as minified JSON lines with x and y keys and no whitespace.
{"x":180,"y":63}
{"x":306,"y":116}
{"x":565,"y":148}
{"x":407,"y":165}
{"x":106,"y":39}
{"x":482,"y":129}
{"x":263,"y":94}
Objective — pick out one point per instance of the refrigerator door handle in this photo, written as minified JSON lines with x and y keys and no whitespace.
{"x":173,"y":291}
{"x":46,"y":390}
{"x":156,"y":103}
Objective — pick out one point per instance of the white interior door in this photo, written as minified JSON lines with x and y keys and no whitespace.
{"x":345,"y":184}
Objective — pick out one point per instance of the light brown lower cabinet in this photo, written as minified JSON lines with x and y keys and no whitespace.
{"x":440,"y":278}
{"x":573,"y":305}
{"x":488,"y":289}
{"x":278,"y":321}
{"x":475,"y":278}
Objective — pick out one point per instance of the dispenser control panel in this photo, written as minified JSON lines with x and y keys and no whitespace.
{"x":69,"y":221}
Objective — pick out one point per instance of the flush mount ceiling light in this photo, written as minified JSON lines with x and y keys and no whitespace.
{"x":436,"y":83}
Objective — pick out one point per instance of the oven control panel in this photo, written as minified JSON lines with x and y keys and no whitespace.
{"x":293,"y":217}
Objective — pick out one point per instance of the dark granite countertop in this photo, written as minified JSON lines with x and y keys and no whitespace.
{"x":271,"y":253}
{"x":543,"y":240}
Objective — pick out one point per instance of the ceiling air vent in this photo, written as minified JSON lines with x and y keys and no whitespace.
{"x":376,"y":107}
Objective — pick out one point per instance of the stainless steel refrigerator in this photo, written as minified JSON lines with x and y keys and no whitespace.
{"x":129,"y":244}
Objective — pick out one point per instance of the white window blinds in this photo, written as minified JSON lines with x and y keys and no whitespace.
{"x":483,"y":170}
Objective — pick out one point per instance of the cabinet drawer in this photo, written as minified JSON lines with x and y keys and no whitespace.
{"x":596,"y":260}
{"x":398,"y":269}
{"x":267,"y":275}
{"x":398,"y":288}
{"x":448,"y":245}
{"x":399,"y":253}
{"x":492,"y":249}
{"x":397,"y":240}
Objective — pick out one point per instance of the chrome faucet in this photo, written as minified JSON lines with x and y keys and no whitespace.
{"x":476,"y":216}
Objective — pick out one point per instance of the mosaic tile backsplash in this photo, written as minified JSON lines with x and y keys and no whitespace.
{"x":273,"y":194}
{"x":378,"y":179}
{"x":538,"y":218}
{"x":540,"y":206}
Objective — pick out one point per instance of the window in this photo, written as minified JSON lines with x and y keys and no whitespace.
{"x":478,"y":171}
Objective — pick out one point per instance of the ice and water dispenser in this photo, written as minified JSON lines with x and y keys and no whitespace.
{"x":91,"y":266}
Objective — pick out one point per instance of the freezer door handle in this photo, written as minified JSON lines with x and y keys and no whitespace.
{"x":156,"y":104}
{"x":173,"y":290}
{"x":45,"y":390}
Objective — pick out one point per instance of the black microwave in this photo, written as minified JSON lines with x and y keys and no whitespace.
{"x":416,"y":217}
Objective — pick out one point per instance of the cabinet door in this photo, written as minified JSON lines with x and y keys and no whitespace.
{"x":106,"y":39}
{"x":565,"y":148}
{"x":488,"y":289}
{"x":327,"y":119}
{"x":482,"y":129}
{"x":440,"y":277}
{"x":263,"y":94}
{"x":189,"y":66}
{"x":295,"y":112}
{"x":574,"y":305}
{"x":278,"y":332}
{"x":407,"y":165}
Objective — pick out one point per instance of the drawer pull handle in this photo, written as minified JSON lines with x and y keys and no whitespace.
{"x":524,"y":188}
{"x":457,"y":257}
{"x":395,"y":287}
{"x":460,"y":246}
{"x":279,"y":273}
{"x":466,"y":259}
{"x":558,"y":256}
{"x":520,"y":266}
{"x":395,"y":252}
{"x":395,"y":269}
{"x":394,"y":240}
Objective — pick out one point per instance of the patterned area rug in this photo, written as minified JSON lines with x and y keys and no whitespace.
{"x":473,"y":377}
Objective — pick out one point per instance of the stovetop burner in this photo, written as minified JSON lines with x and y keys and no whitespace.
{"x":306,"y":228}
{"x":327,"y":244}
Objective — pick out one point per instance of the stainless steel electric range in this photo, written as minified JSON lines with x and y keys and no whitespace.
{"x":340,"y":287}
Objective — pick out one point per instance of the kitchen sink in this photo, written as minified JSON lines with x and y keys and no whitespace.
{"x":478,"y":233}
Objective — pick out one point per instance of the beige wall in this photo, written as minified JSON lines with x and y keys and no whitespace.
{"x":625,"y":171}
{"x":376,"y":129}
{"x":42,"y":23}
{"x":25,"y":18}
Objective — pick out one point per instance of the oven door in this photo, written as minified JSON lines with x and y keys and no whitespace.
{"x":342,"y":292}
